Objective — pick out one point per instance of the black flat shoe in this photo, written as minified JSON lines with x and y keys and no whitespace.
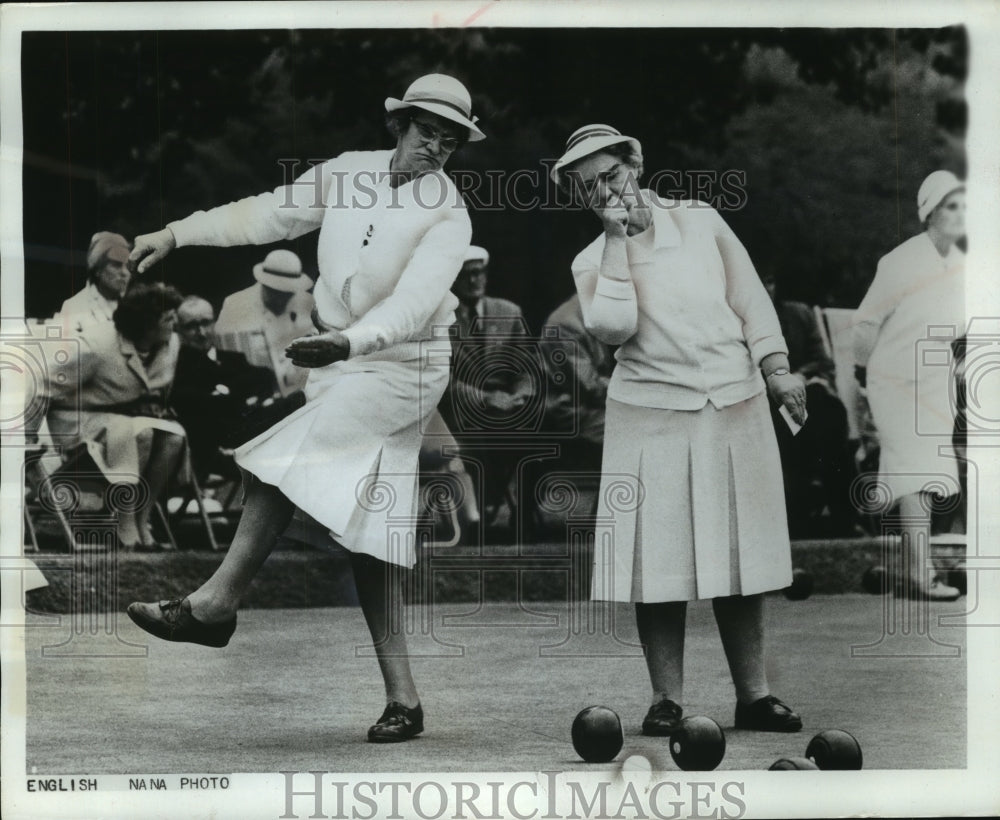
{"x":397,"y":724}
{"x":662,"y":719}
{"x":767,"y":715}
{"x":172,"y":621}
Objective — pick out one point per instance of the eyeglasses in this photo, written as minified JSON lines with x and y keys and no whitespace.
{"x":429,"y":134}
{"x":196,"y":324}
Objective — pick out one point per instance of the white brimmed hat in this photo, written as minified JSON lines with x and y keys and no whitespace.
{"x":441,"y":95}
{"x":477,"y":254}
{"x":589,"y":140}
{"x":282,"y":270}
{"x":934,"y":189}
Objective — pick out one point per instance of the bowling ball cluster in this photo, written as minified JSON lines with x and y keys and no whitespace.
{"x":832,"y":750}
{"x":699,"y":744}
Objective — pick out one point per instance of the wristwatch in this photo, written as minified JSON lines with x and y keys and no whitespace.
{"x":781,"y":371}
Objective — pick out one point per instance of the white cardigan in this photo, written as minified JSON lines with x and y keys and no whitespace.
{"x":693,"y":319}
{"x":387,"y":256}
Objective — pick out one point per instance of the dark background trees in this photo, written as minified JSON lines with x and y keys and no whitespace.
{"x":833,"y":130}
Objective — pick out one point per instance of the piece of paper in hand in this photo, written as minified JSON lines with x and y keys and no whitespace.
{"x":793,"y":425}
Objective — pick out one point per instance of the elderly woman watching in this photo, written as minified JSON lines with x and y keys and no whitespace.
{"x":107,"y":278}
{"x":393,"y":233}
{"x":916,"y":307}
{"x":691,"y":476}
{"x":113,"y":391}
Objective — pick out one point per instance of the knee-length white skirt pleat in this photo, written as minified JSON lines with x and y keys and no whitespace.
{"x":348,"y":458}
{"x":691,"y":504}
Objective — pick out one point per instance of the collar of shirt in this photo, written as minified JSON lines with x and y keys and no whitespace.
{"x":105,"y":305}
{"x":666,"y":234}
{"x":212,"y":353}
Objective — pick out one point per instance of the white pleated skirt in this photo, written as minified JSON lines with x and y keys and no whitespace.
{"x":914,"y":423}
{"x":691,"y":504}
{"x":348,"y":458}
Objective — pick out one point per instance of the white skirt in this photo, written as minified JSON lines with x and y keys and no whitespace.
{"x":914,"y":420}
{"x":691,"y":504}
{"x":117,"y":436}
{"x":348,"y":458}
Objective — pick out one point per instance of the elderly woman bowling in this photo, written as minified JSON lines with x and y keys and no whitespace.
{"x":688,"y":428}
{"x":393,"y":232}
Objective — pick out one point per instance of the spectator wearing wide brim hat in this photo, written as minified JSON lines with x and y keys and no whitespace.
{"x":277,"y":307}
{"x":282,"y":270}
{"x":441,"y":95}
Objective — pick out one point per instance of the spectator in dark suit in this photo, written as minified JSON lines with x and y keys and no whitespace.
{"x":213,"y":389}
{"x":491,"y":392}
{"x":821,"y":448}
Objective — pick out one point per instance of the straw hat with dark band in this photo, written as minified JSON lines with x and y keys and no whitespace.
{"x":441,"y":95}
{"x":589,"y":140}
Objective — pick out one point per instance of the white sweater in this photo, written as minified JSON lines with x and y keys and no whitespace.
{"x":387,"y":256}
{"x":693,"y":319}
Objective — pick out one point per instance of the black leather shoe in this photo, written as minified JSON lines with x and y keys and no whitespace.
{"x":397,"y":724}
{"x":662,"y":719}
{"x":172,"y":621}
{"x":767,"y":715}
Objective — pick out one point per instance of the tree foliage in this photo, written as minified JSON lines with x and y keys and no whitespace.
{"x":128,"y":130}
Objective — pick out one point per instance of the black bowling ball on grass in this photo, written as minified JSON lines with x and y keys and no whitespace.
{"x":801,"y":586}
{"x":597,"y":734}
{"x":793,"y":764}
{"x":835,"y":749}
{"x":958,"y":578}
{"x":875,"y":580}
{"x":698,"y":744}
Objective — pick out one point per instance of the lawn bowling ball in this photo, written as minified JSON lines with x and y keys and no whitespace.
{"x":874,"y":580}
{"x":698,"y":744}
{"x":597,"y":734}
{"x":834,"y":749}
{"x":792,"y":764}
{"x":801,"y":586}
{"x":957,"y":577}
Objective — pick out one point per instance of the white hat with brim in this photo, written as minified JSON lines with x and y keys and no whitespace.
{"x":589,"y":140}
{"x":934,"y":189}
{"x":282,"y":270}
{"x":477,"y":254}
{"x":441,"y":95}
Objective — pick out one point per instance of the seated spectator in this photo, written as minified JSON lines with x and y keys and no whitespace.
{"x":113,"y":391}
{"x":821,"y":448}
{"x":107,"y":278}
{"x":213,"y":390}
{"x":578,"y":384}
{"x":489,"y":383}
{"x":263,"y":319}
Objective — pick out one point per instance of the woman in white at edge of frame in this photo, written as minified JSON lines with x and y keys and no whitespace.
{"x":915,"y":307}
{"x":393,"y":234}
{"x":691,"y":476}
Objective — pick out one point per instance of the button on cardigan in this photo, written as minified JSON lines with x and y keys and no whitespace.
{"x":387,"y":256}
{"x":693,"y":318}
